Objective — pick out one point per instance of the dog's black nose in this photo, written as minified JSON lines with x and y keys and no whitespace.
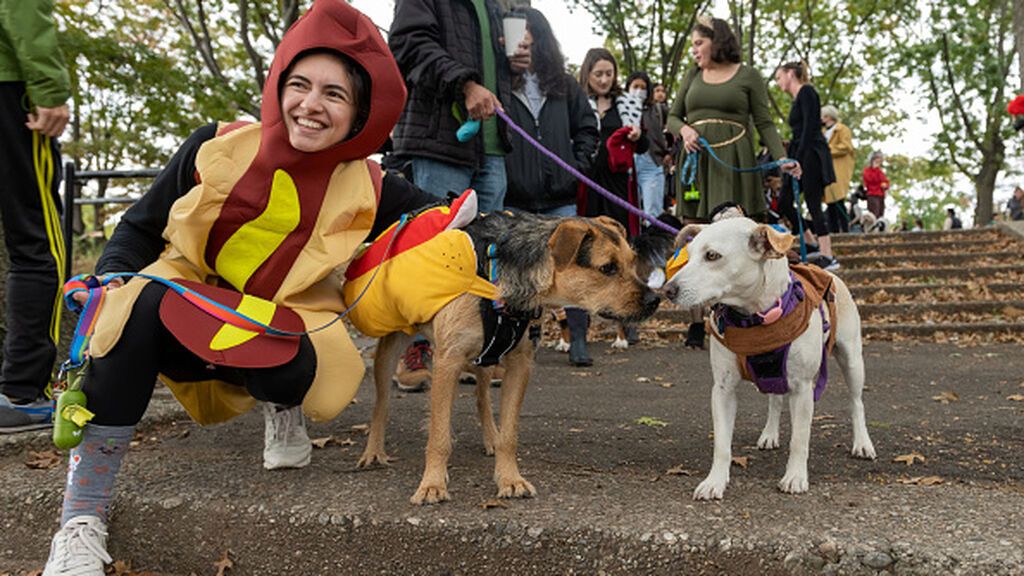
{"x":671,"y":291}
{"x":651,"y":300}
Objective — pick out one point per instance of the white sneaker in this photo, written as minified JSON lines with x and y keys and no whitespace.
{"x":285,"y":443}
{"x":561,"y":346}
{"x":79,"y":548}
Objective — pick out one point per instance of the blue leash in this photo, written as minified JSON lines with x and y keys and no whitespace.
{"x":688,"y":175}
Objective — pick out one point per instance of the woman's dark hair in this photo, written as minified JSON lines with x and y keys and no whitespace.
{"x":547,"y":59}
{"x":724,"y":45}
{"x":641,"y":75}
{"x":360,"y":79}
{"x":799,"y":70}
{"x":595,"y":55}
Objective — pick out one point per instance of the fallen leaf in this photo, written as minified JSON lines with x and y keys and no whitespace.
{"x":1015,"y":397}
{"x":643,"y":379}
{"x":667,"y":384}
{"x":652,"y":422}
{"x":821,"y":417}
{"x":576,"y":430}
{"x":363,"y":429}
{"x":43,"y":460}
{"x":946,"y":397}
{"x":580,"y":373}
{"x":921,"y":480}
{"x":741,"y":461}
{"x":345,"y":442}
{"x":121,"y":568}
{"x":493,"y":503}
{"x":224,"y":564}
{"x":1012,"y":312}
{"x":909,"y":459}
{"x":321,"y":442}
{"x":678,"y":471}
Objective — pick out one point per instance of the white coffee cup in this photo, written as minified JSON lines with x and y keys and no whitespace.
{"x":515,"y":32}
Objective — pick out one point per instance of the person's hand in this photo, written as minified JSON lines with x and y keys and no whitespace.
{"x":667,"y":161}
{"x":480,"y":102}
{"x":83,"y":297}
{"x":520,"y":61}
{"x":793,"y":169}
{"x":634,"y":133}
{"x":690,"y":138}
{"x":49,"y":121}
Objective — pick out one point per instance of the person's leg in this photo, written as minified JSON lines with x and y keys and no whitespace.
{"x":579,"y":323}
{"x":30,"y":207}
{"x":832,"y":216}
{"x":490,"y":183}
{"x":440,"y":178}
{"x":651,"y":179}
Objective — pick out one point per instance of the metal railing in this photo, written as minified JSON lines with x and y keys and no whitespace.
{"x":73,"y":178}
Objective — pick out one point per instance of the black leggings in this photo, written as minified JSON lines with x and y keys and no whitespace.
{"x":838,"y":220}
{"x":119,"y":385}
{"x":812,"y":189}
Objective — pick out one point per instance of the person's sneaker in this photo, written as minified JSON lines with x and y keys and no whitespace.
{"x":285,"y":442}
{"x":413,"y":374}
{"x":79,"y":548}
{"x":832,"y":265}
{"x":23,"y":417}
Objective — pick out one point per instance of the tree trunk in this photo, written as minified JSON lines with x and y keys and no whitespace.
{"x":1018,"y":35}
{"x":985,"y":180}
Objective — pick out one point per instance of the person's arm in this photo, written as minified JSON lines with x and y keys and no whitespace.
{"x":762,"y":116}
{"x":30,"y":26}
{"x":655,"y":132}
{"x":415,"y":41}
{"x":883,"y":180}
{"x":582,"y":127}
{"x":138,"y":239}
{"x":398,"y":196}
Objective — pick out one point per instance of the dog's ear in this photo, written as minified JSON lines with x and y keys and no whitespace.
{"x":687,"y":234}
{"x":770,"y":242}
{"x":613,"y":224}
{"x":565,"y":242}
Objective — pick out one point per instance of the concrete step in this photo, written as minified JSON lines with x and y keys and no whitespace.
{"x":1010,"y":310}
{"x":925,"y":247}
{"x":1006,"y":273}
{"x":930,"y":236}
{"x":965,"y":259}
{"x":885,"y":331}
{"x":932,"y":293}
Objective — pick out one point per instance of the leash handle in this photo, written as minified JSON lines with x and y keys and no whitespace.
{"x":579,"y":175}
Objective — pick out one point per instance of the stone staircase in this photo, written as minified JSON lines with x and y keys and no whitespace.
{"x":964,"y":286}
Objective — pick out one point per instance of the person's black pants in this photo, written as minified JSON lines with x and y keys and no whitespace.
{"x":838,"y":219}
{"x":30,"y":207}
{"x":812,"y":190}
{"x":118,"y":386}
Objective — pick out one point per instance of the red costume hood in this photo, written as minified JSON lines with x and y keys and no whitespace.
{"x":335,"y":25}
{"x":1016,"y":106}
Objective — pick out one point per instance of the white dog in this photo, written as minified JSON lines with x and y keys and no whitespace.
{"x":742,"y":265}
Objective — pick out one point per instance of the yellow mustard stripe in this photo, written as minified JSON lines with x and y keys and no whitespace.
{"x":43,"y":159}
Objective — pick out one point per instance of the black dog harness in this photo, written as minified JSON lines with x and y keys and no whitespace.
{"x":503,"y":327}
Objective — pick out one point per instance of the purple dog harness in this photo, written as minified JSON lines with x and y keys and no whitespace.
{"x":768,"y":370}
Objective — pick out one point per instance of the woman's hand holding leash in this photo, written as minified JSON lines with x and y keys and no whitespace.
{"x":793,"y":169}
{"x":690,"y":138}
{"x":83,"y":297}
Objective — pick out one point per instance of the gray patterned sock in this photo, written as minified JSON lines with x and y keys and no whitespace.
{"x":92,"y":469}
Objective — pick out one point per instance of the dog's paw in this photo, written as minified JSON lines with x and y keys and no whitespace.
{"x":620,"y":344}
{"x":561,"y":346}
{"x":488,"y":448}
{"x":374,"y":457}
{"x":430,"y":495}
{"x":863,"y":450}
{"x":710,"y":489}
{"x":517,"y":487}
{"x":794,"y":483}
{"x":768,"y":441}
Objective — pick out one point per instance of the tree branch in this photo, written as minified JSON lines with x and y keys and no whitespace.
{"x":254,"y":56}
{"x":953,"y":156}
{"x":957,"y":102}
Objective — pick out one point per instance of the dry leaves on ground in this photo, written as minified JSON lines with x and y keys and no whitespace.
{"x":909,"y":459}
{"x":678,"y":471}
{"x":946,"y":397}
{"x":651,"y":421}
{"x":921,"y":480}
{"x":321,"y":442}
{"x":43,"y":460}
{"x":123,"y":568}
{"x":362,"y":429}
{"x":741,"y":461}
{"x":224,"y":564}
{"x":1015,"y":397}
{"x":493,"y":503}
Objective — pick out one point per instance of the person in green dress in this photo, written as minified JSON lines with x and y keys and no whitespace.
{"x":722,"y":100}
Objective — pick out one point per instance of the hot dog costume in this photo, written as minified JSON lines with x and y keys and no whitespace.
{"x":274,"y":227}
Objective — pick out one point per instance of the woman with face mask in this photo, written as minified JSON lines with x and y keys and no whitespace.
{"x":717,"y":100}
{"x":650,"y":172}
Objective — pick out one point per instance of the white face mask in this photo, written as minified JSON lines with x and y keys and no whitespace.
{"x":639,"y":93}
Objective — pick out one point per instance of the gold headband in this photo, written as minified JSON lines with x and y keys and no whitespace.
{"x":706,"y":21}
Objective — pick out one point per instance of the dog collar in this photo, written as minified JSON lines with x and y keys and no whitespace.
{"x":726,"y":316}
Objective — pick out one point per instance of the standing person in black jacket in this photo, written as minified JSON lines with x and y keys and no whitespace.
{"x":549,"y":103}
{"x":808,"y":147}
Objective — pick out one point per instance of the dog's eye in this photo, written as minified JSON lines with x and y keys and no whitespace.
{"x":711,"y":256}
{"x":609,"y":269}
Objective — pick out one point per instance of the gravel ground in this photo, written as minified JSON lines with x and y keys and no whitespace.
{"x":613,"y":494}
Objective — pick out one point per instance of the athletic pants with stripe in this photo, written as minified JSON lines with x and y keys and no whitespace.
{"x":30,"y":208}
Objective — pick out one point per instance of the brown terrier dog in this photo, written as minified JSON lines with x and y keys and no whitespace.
{"x":542,"y":262}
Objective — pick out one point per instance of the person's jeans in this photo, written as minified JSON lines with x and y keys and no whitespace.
{"x":651,"y":178}
{"x":561,"y":211}
{"x":440,"y":178}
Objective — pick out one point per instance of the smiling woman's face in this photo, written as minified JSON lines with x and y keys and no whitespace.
{"x":318,"y":103}
{"x":602,"y":76}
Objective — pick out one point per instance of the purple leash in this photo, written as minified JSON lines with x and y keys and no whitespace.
{"x":594,"y":185}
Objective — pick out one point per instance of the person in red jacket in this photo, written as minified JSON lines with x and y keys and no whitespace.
{"x":876,"y":184}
